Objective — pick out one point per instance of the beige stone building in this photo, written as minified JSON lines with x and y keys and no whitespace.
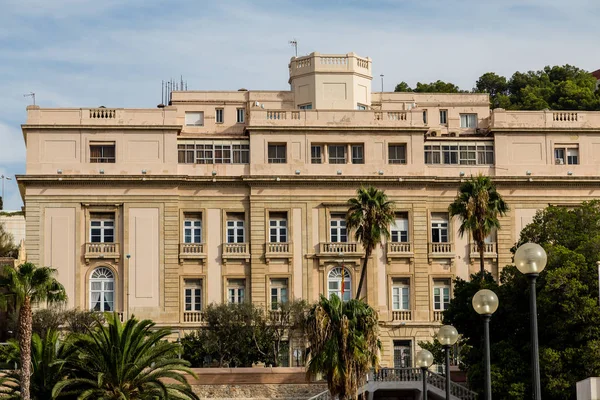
{"x":240,"y":196}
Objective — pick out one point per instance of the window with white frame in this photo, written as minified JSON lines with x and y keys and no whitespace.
{"x":400,"y":295}
{"x":277,"y":153}
{"x":195,"y":118}
{"x":192,"y":228}
{"x":102,"y":228}
{"x":463,"y":153}
{"x":219,"y":115}
{"x":339,"y":283}
{"x":337,"y":228}
{"x":468,"y":120}
{"x":397,"y":153}
{"x":439,"y":227}
{"x":102,"y":152}
{"x":278,"y":227}
{"x":566,"y":154}
{"x":441,"y":294}
{"x":337,"y":153}
{"x":236,"y":289}
{"x":316,"y":154}
{"x":192,"y":290}
{"x":279,"y":292}
{"x":358,"y":154}
{"x":399,"y":231}
{"x":443,"y":117}
{"x":240,"y":114}
{"x":307,"y":106}
{"x":235,"y":228}
{"x":102,"y":290}
{"x":213,"y":152}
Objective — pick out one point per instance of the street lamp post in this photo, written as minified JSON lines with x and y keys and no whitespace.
{"x":485,"y":303}
{"x":424,"y":361}
{"x":447,"y":336}
{"x":531,"y":259}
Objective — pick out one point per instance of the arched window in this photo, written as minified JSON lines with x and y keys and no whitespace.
{"x":102,"y":290}
{"x":340,"y":283}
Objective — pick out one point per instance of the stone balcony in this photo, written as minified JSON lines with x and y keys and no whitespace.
{"x":342,"y":252}
{"x":490,"y":251}
{"x":398,"y":250}
{"x":102,"y":251}
{"x":546,"y":119}
{"x":348,"y":119}
{"x":147,"y":117}
{"x":278,"y":251}
{"x":235,"y":251}
{"x":192,"y":251}
{"x":401,"y":315}
{"x":196,"y":317}
{"x":441,"y":250}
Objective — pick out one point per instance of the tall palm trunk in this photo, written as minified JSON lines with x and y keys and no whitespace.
{"x":25,"y":345}
{"x":363,"y":272}
{"x":481,"y":246}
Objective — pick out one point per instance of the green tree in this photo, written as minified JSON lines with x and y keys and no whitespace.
{"x":7,"y":245}
{"x":402,"y":87}
{"x":125,"y":361}
{"x":23,"y":286}
{"x":478,"y":206}
{"x":568,"y":312}
{"x":370,"y":215}
{"x":344,"y":343}
{"x":433,"y":87}
{"x":48,"y":355}
{"x":496,"y":86}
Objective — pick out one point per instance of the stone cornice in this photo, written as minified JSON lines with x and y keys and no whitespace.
{"x":103,"y":127}
{"x":330,"y":128}
{"x":543,"y":129}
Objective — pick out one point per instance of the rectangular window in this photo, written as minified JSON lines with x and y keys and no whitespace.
{"x":439,"y":227}
{"x":361,"y":107}
{"x":399,"y":231}
{"x":192,"y":228}
{"x":279,"y":293}
{"x":193,"y":295}
{"x":277,"y":153}
{"x":316,"y":154}
{"x":337,"y":154}
{"x":241,"y":113}
{"x":463,"y":153}
{"x":468,"y":120}
{"x":443,"y":117}
{"x":102,"y":228}
{"x":102,"y":152}
{"x":214,"y":152}
{"x":235,"y":228}
{"x":219,"y":115}
{"x":566,"y":154}
{"x":236,"y":289}
{"x":307,"y":106}
{"x":278,"y":228}
{"x":241,"y":154}
{"x":425,"y":117}
{"x":185,"y":153}
{"x":400,"y":295}
{"x":441,"y":294}
{"x":204,"y":154}
{"x":358,"y":154}
{"x":397,"y":154}
{"x":338,"y":231}
{"x":222,"y":154}
{"x":194,"y":118}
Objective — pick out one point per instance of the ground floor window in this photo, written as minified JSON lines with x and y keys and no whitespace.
{"x":102,"y":290}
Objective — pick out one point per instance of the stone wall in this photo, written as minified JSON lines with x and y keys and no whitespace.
{"x":260,"y":391}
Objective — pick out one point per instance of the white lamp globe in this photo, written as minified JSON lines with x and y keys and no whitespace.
{"x":485,"y":302}
{"x":447,"y":335}
{"x":530,"y":258}
{"x":424,"y":359}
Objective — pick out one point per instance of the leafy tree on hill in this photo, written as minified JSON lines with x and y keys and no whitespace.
{"x":433,"y":87}
{"x":568,"y":312}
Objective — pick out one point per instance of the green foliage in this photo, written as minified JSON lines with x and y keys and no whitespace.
{"x":344,"y":343}
{"x":27,"y":281}
{"x":7,"y":245}
{"x":558,"y":88}
{"x":568,"y":312}
{"x":72,"y":321}
{"x":478,"y":206}
{"x":370,"y":214}
{"x":433,"y":87}
{"x":125,"y":361}
{"x":48,"y":355}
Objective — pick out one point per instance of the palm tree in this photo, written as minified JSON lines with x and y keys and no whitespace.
{"x":48,"y":357}
{"x":370,"y":214}
{"x":126,"y":361}
{"x":23,"y":286}
{"x":478,"y":206}
{"x":344,"y":343}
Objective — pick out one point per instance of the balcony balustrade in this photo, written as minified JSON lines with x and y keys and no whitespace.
{"x":337,"y":248}
{"x":235,"y":251}
{"x":102,"y":250}
{"x":278,"y":247}
{"x":193,"y":316}
{"x":401,"y":315}
{"x":278,"y":250}
{"x":399,"y":250}
{"x":438,"y":316}
{"x":191,"y":251}
{"x":490,"y":250}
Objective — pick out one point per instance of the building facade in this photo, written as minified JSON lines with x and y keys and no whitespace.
{"x":233,"y":196}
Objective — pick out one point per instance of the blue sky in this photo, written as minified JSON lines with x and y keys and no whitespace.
{"x":82,"y":53}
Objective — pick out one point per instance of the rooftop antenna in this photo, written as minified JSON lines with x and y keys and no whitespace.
{"x":294,"y":43}
{"x":381,"y":82}
{"x":32,"y":95}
